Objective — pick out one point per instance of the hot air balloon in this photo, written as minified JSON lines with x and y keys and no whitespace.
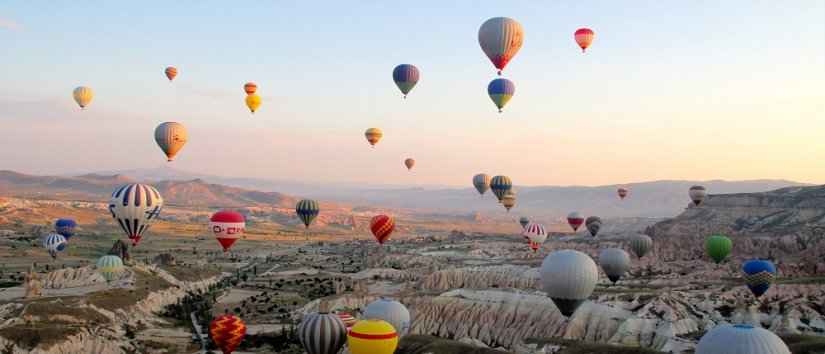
{"x":501,"y":91}
{"x":250,"y":88}
{"x":373,"y":135}
{"x":575,"y":219}
{"x":135,"y":207}
{"x":523,"y":221}
{"x":171,"y":137}
{"x":382,"y":227}
{"x":584,"y":37}
{"x":65,"y":227}
{"x":171,"y":72}
{"x":322,"y":333}
{"x":508,"y":200}
{"x":718,"y":247}
{"x":110,"y":267}
{"x":372,"y":337}
{"x":500,"y":186}
{"x":307,"y":210}
{"x":641,"y":244}
{"x":741,"y":339}
{"x":83,"y":96}
{"x":500,"y":39}
{"x":409,"y":163}
{"x":697,"y":194}
{"x":759,"y":275}
{"x":593,"y":225}
{"x":391,"y":311}
{"x":615,"y":263}
{"x":227,"y":226}
{"x":482,"y":183}
{"x":253,"y":101}
{"x":536,"y":234}
{"x":348,"y":320}
{"x":227,"y":332}
{"x":568,"y":277}
{"x":54,"y":243}
{"x":622,"y":193}
{"x":405,"y":77}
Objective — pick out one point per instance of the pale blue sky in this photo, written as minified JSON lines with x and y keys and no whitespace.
{"x":669,"y":89}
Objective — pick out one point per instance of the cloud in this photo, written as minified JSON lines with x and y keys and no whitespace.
{"x":10,"y":25}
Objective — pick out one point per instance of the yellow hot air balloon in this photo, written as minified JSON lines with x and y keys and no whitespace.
{"x":83,"y":96}
{"x":372,"y":337}
{"x":253,"y":101}
{"x":170,"y":136}
{"x":373,"y":135}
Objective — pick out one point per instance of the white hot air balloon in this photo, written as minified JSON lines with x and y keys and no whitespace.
{"x":500,"y":38}
{"x":54,"y":243}
{"x":135,"y":207}
{"x":697,"y":194}
{"x":568,"y":277}
{"x":391,"y":311}
{"x":615,"y":262}
{"x":741,"y":339}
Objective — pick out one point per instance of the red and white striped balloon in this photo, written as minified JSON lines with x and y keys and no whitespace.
{"x":584,"y":37}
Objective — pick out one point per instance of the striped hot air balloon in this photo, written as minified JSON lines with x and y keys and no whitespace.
{"x":568,"y":277}
{"x":584,"y":37}
{"x":171,"y":72}
{"x":394,"y":312}
{"x":135,"y":207}
{"x":83,"y":96}
{"x":697,"y":194}
{"x":54,"y":243}
{"x":741,"y":339}
{"x":405,"y":77}
{"x":65,"y":227}
{"x":110,"y":267}
{"x":171,"y":137}
{"x":508,"y":200}
{"x":250,"y":88}
{"x":536,"y":234}
{"x":500,"y":38}
{"x":253,"y":102}
{"x":227,"y":226}
{"x":481,"y":182}
{"x":593,"y":225}
{"x":500,"y":185}
{"x":322,"y":333}
{"x":759,"y":275}
{"x":372,"y":337}
{"x":615,"y":263}
{"x":718,"y":247}
{"x":373,"y":135}
{"x":641,"y":244}
{"x":348,"y":319}
{"x":575,"y":219}
{"x":307,"y":210}
{"x":227,"y":332}
{"x":501,"y":91}
{"x":382,"y":227}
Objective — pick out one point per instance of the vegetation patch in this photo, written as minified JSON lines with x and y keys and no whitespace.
{"x":799,"y":344}
{"x":580,"y":347}
{"x":114,"y":299}
{"x":186,"y":273}
{"x":421,"y":344}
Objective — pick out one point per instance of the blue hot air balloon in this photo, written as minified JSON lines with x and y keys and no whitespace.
{"x":501,"y":91}
{"x":759,"y":275}
{"x":405,"y":77}
{"x":65,"y":227}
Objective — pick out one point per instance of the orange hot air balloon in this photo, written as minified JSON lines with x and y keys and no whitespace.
{"x":409,"y":163}
{"x":171,"y":72}
{"x":382,"y":226}
{"x":250,"y":88}
{"x":584,"y":37}
{"x":227,"y":332}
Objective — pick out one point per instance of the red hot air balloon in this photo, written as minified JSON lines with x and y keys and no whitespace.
{"x":584,"y":37}
{"x":382,"y":226}
{"x":228,"y":226}
{"x":227,"y":332}
{"x":622,"y":192}
{"x":575,"y":219}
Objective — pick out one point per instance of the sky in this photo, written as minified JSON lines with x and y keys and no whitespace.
{"x":668,"y":90}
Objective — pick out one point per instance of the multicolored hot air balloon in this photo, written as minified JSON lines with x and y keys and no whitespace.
{"x":253,"y":101}
{"x":584,"y":37}
{"x":405,"y":77}
{"x":54,"y":243}
{"x":372,"y":337}
{"x":135,"y":207}
{"x":593,"y":225}
{"x":615,"y":262}
{"x":83,"y":96}
{"x":508,"y":200}
{"x":759,"y":275}
{"x":348,"y":320}
{"x":500,"y":39}
{"x":523,"y":221}
{"x":228,"y":226}
{"x":718,"y":247}
{"x":391,"y":311}
{"x":482,"y":183}
{"x":171,"y":72}
{"x":322,"y":333}
{"x":641,"y":244}
{"x":307,"y":210}
{"x":382,"y":227}
{"x":227,"y":332}
{"x":568,"y":277}
{"x":409,"y":162}
{"x":250,"y":88}
{"x":697,"y":194}
{"x":500,"y":186}
{"x":536,"y":234}
{"x":110,"y":267}
{"x":65,"y":227}
{"x":501,"y":91}
{"x":622,"y":192}
{"x":741,"y":339}
{"x":575,"y":219}
{"x":373,"y":135}
{"x":171,"y":137}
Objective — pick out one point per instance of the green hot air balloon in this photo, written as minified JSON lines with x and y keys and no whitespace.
{"x":523,"y":221}
{"x":307,"y":210}
{"x":718,"y":247}
{"x":110,"y":267}
{"x":641,"y":244}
